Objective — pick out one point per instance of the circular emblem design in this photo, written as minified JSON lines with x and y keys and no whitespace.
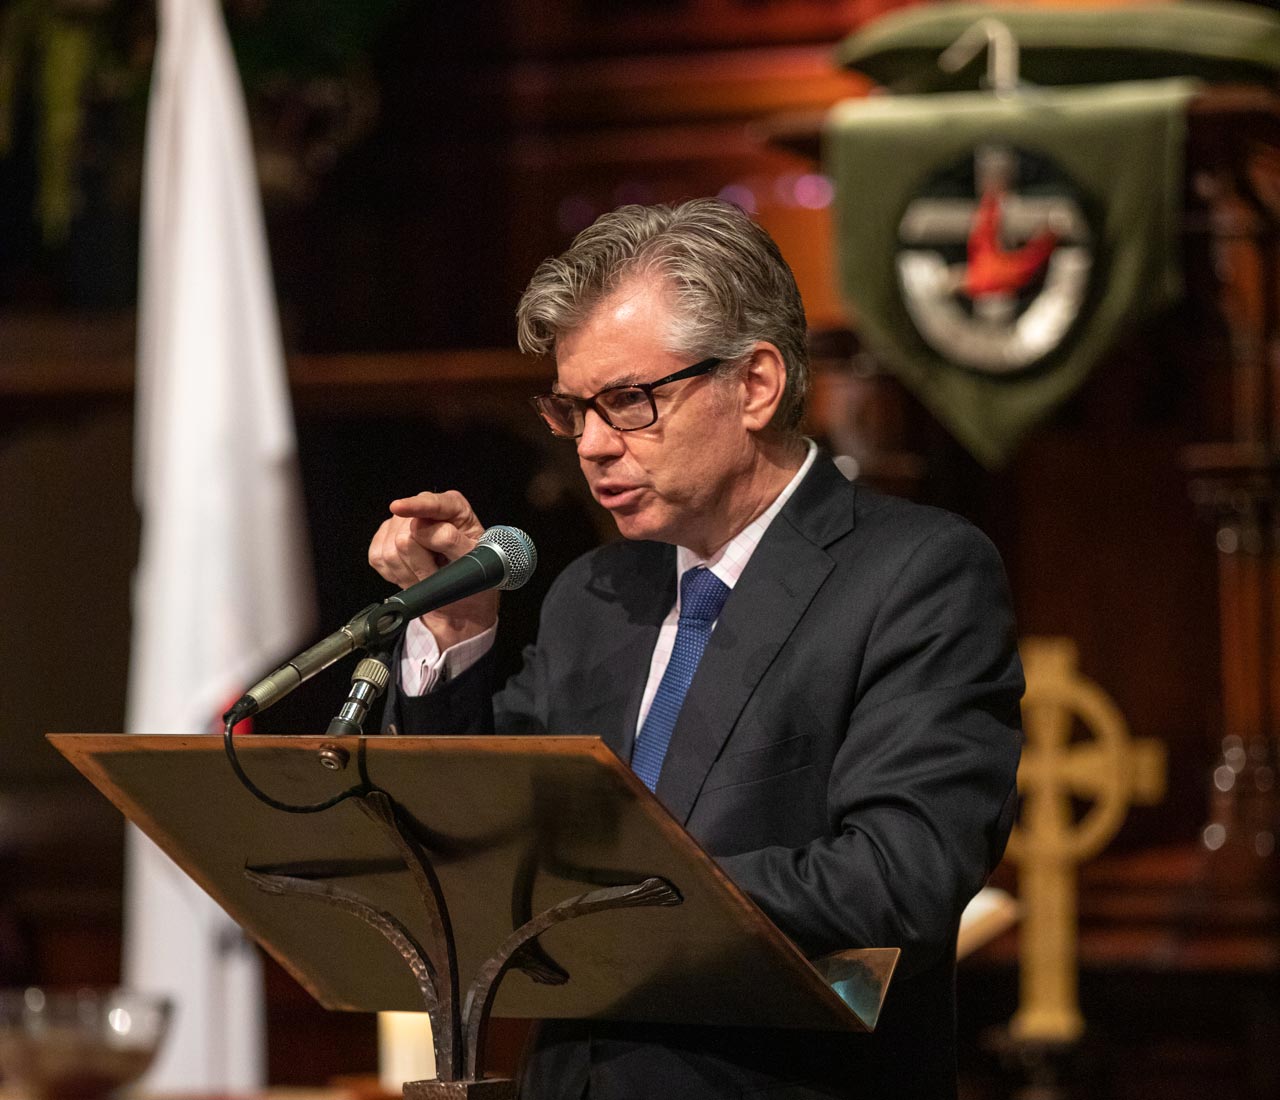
{"x":994,"y":260}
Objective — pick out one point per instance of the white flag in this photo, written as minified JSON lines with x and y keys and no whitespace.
{"x":223,"y":588}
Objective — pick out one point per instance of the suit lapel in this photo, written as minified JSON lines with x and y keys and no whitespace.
{"x":649,"y":590}
{"x":781,"y":580}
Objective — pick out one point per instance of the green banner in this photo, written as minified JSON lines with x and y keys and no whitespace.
{"x":993,"y":249}
{"x":1214,"y":40}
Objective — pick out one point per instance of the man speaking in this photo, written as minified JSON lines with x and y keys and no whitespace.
{"x":819,"y":682}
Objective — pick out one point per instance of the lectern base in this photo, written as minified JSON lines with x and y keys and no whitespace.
{"x":492,"y":1088}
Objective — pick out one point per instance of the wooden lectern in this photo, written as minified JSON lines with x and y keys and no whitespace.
{"x":540,"y":869}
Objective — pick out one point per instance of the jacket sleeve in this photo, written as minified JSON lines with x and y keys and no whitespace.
{"x":469,"y":705}
{"x":921,"y":795}
{"x":462,"y":706}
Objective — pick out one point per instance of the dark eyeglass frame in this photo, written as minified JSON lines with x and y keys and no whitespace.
{"x":582,"y":404}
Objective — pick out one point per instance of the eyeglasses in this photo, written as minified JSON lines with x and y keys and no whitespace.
{"x":625,"y":408}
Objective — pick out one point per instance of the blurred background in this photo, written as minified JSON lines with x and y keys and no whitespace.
{"x":416,"y":161}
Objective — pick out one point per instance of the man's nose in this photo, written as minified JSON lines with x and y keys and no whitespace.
{"x":598,"y":440}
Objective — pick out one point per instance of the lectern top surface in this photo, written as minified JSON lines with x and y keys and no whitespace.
{"x":512,"y":825}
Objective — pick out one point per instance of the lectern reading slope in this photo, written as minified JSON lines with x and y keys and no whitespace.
{"x":512,"y":826}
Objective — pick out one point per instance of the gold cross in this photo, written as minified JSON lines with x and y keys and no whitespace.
{"x":1109,"y":770}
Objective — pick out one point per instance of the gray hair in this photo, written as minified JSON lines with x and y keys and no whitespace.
{"x":729,"y":283}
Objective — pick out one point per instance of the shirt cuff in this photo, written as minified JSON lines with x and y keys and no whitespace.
{"x":423,"y":668}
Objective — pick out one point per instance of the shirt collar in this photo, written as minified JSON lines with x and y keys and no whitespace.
{"x":731,"y":559}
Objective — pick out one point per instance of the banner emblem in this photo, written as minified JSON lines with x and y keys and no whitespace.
{"x":994,"y":260}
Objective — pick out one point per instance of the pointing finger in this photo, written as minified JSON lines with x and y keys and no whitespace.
{"x":449,"y":507}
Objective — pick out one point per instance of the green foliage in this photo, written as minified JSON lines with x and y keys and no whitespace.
{"x":61,"y":58}
{"x":304,"y":38}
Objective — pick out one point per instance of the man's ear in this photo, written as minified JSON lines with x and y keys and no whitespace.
{"x":764,"y":378}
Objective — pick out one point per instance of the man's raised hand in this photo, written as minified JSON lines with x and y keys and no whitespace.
{"x":424,"y":533}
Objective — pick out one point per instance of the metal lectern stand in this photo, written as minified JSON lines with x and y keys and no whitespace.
{"x":543,"y":861}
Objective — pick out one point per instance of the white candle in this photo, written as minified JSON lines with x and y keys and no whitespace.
{"x":405,"y":1051}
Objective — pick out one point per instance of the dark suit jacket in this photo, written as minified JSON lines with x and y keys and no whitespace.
{"x":847,"y":751}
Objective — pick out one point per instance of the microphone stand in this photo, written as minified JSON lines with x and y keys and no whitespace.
{"x":370,"y":679}
{"x":504,"y":558}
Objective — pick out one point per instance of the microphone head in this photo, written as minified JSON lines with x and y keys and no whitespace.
{"x":518,"y":553}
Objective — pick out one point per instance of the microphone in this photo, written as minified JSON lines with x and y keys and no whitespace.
{"x":504,"y":558}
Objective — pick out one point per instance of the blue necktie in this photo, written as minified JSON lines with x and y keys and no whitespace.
{"x":702,"y":595}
